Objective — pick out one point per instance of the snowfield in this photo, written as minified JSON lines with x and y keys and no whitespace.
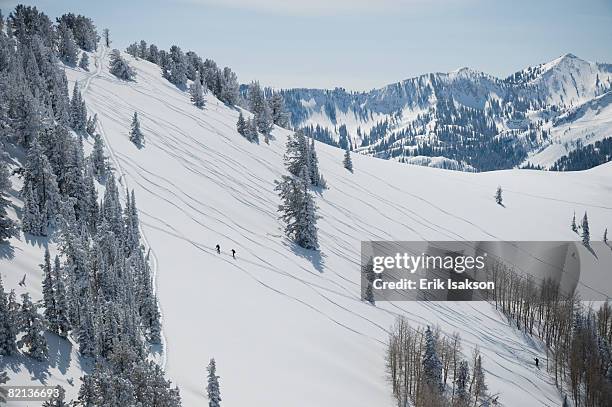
{"x":287,"y":326}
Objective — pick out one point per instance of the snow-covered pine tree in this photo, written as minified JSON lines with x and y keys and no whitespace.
{"x":8,"y":328}
{"x":586,"y":236}
{"x":347,"y":162}
{"x":40,"y":192}
{"x":106,"y":36}
{"x":251,"y":130}
{"x":178,"y":67}
{"x":50,"y":310}
{"x":197,"y":92}
{"x":432,"y":366}
{"x":66,"y":47}
{"x":3,"y":376}
{"x":78,"y":110}
{"x":59,"y":400}
{"x":32,"y":326}
{"x":573,"y":224}
{"x":61,"y":300}
{"x":119,"y":67}
{"x":316,"y":179}
{"x":498,"y":196}
{"x":241,"y":125}
{"x":297,"y":153}
{"x":280,"y":116}
{"x":230,"y":88}
{"x":306,"y":233}
{"x":8,"y":228}
{"x":136,"y":135}
{"x":98,"y":161}
{"x":92,"y":122}
{"x":212,"y":386}
{"x":84,"y":62}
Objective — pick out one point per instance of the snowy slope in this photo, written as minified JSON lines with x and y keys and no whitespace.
{"x":287,"y":327}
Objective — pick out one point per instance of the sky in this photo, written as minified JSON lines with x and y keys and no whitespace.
{"x":355,"y":44}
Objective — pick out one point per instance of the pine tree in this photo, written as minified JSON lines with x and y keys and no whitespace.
{"x":586,"y":236}
{"x":98,"y":161}
{"x":32,"y":325}
{"x":241,"y":125}
{"x":49,"y":294}
{"x":306,"y":233}
{"x":67,"y":48}
{"x":8,"y":227}
{"x":106,"y":35}
{"x":197,"y":92}
{"x":59,"y":400}
{"x":316,"y":179}
{"x":136,"y":135}
{"x":92,"y":122}
{"x":8,"y":328}
{"x":498,"y":196}
{"x":78,"y":110}
{"x":3,"y":376}
{"x":432,"y":367}
{"x":573,"y":225}
{"x":61,"y":300}
{"x":212,"y":388}
{"x":479,"y":387}
{"x":119,"y":67}
{"x":347,"y":162}
{"x":84,"y":62}
{"x":280,"y":117}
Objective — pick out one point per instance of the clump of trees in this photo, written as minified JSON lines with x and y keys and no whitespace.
{"x":120,"y":67}
{"x":427,"y":369}
{"x":577,"y":337}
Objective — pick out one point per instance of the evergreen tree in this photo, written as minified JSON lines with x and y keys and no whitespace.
{"x":136,"y":135}
{"x":106,"y":36}
{"x":230,"y":88}
{"x":119,"y":67}
{"x":586,"y":236}
{"x":49,"y":294}
{"x":241,"y":125}
{"x":306,"y":233}
{"x":297,"y":153}
{"x":347,"y":162}
{"x":67,"y":48}
{"x":8,"y":329}
{"x":98,"y":161}
{"x":479,"y":387}
{"x":8,"y":227}
{"x":565,"y":402}
{"x":59,"y":400}
{"x":316,"y":179}
{"x":197,"y":92}
{"x":498,"y":196}
{"x":84,"y":62}
{"x":92,"y":122}
{"x":280,"y":117}
{"x":32,"y":325}
{"x":432,"y":366}
{"x":61,"y":300}
{"x":3,"y":376}
{"x":212,"y":388}
{"x":78,"y":110}
{"x":573,"y":225}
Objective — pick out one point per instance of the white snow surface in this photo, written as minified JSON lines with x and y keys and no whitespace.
{"x":286,"y":326}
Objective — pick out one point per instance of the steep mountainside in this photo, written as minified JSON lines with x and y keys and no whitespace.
{"x":478,"y":121}
{"x":287,"y":326}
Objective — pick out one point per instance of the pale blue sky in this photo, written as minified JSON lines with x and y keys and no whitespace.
{"x":356,"y":44}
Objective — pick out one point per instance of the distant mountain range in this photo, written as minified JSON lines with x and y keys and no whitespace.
{"x":465,"y":119}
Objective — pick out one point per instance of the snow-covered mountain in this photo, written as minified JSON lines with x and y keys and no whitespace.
{"x":472,"y":118}
{"x":287,"y":326}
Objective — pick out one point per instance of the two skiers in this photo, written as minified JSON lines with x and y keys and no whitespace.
{"x":219,"y":251}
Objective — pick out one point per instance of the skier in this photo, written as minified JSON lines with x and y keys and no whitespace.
{"x":22,"y":282}
{"x":233,"y":253}
{"x":218,"y":249}
{"x":537,"y":362}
